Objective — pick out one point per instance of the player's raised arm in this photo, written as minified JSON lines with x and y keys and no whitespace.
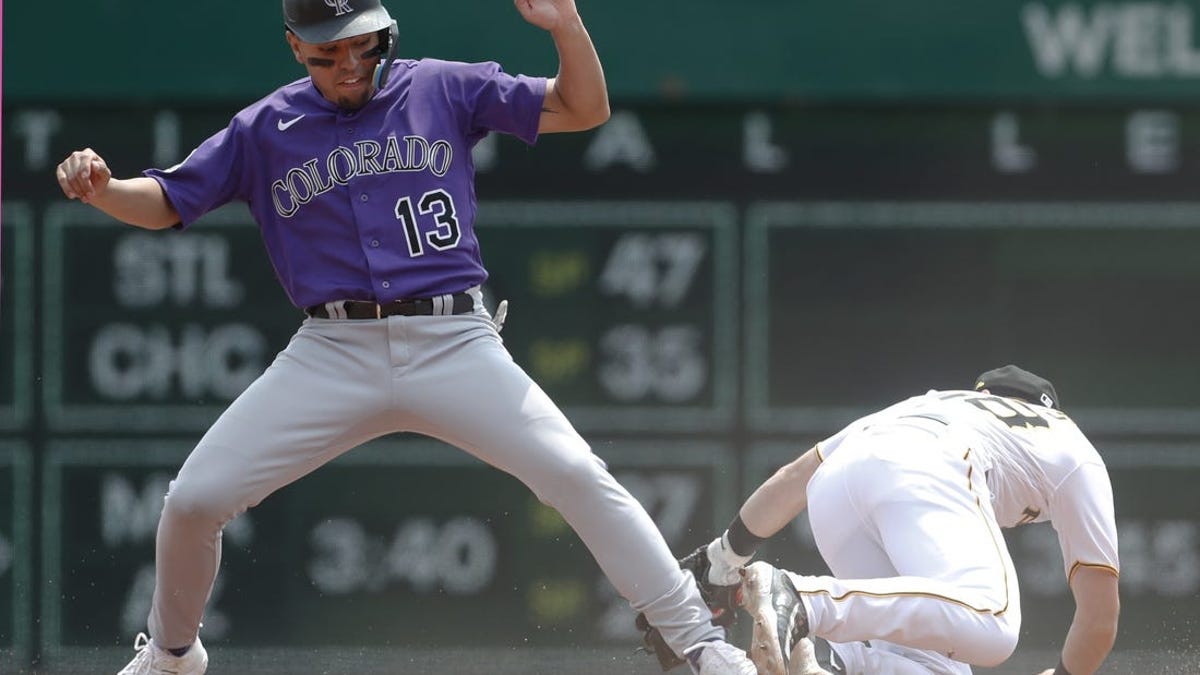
{"x":577,"y":98}
{"x":139,"y":201}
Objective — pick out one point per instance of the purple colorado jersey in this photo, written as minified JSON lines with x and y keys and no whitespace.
{"x":376,"y":204}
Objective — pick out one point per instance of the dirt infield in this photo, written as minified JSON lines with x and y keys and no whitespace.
{"x":526,"y":661}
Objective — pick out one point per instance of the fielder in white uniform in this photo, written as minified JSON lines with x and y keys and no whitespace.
{"x":906,"y":507}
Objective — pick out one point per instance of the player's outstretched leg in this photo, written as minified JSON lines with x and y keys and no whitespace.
{"x":780,"y":620}
{"x":154,"y":660}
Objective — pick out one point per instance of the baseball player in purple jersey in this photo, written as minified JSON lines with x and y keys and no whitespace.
{"x":906,"y":507}
{"x":361,"y":180}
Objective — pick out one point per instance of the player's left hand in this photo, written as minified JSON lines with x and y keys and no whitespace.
{"x":547,"y":14}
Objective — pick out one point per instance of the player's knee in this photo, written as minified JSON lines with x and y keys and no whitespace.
{"x":999,"y":644}
{"x":1008,"y":640}
{"x":196,"y":501}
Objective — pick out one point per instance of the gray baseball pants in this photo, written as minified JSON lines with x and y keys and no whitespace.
{"x":340,"y":383}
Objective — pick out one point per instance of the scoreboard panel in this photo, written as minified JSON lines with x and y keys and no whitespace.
{"x":344,"y":556}
{"x":691,"y":283}
{"x":1007,"y":151}
{"x":154,"y":331}
{"x":851,"y":305}
{"x":16,"y":315}
{"x":16,"y":556}
{"x":623,"y":311}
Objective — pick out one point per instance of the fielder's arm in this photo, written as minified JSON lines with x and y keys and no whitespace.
{"x":772,"y":506}
{"x":1094,"y":628}
{"x":1085,"y":520}
{"x":715,"y":566}
{"x":138,"y":201}
{"x":781,"y":497}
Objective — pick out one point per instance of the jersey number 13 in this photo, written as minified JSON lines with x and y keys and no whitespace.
{"x":446,"y":232}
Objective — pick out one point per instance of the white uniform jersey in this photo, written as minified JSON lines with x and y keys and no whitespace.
{"x":1039,"y":465}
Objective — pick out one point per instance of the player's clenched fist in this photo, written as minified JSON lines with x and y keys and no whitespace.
{"x":547,"y":14}
{"x":83,"y":175}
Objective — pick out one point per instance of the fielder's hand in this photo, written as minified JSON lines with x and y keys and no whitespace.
{"x":720,"y":585}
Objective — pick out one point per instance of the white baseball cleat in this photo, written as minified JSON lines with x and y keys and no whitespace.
{"x":718,"y":657}
{"x":154,"y":660}
{"x":780,"y":621}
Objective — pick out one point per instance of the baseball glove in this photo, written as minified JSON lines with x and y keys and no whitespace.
{"x":723,"y":600}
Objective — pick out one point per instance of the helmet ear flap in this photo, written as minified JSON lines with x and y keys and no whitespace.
{"x":388,"y":37}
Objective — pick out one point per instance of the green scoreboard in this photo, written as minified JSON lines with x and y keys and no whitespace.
{"x":16,"y":555}
{"x":869,"y":302}
{"x":389,"y":545}
{"x":622,"y":311}
{"x":705,"y":290}
{"x":153,"y":331}
{"x":16,"y":315}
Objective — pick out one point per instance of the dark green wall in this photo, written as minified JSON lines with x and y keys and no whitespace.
{"x":885,"y":197}
{"x":667,"y":49}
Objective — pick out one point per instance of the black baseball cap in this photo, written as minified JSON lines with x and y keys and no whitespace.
{"x":1018,"y":383}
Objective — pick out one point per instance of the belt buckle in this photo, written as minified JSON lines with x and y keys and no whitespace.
{"x":378,"y":311}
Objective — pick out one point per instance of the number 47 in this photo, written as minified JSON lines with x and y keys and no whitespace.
{"x":653,"y":268}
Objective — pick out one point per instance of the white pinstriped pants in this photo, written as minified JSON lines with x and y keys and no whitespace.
{"x":920,"y":567}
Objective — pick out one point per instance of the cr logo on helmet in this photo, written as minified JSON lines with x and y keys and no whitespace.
{"x":340,"y":6}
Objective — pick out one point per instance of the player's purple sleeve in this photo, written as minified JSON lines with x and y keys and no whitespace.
{"x":208,"y":178}
{"x":510,"y":104}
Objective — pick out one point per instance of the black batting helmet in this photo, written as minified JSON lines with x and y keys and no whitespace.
{"x":317,"y":21}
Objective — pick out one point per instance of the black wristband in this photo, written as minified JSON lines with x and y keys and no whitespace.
{"x":742,"y":541}
{"x":1061,"y":669}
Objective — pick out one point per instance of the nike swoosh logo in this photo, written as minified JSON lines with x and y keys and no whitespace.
{"x":283,"y":126}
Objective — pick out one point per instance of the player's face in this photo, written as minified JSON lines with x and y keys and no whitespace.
{"x":339,"y":69}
